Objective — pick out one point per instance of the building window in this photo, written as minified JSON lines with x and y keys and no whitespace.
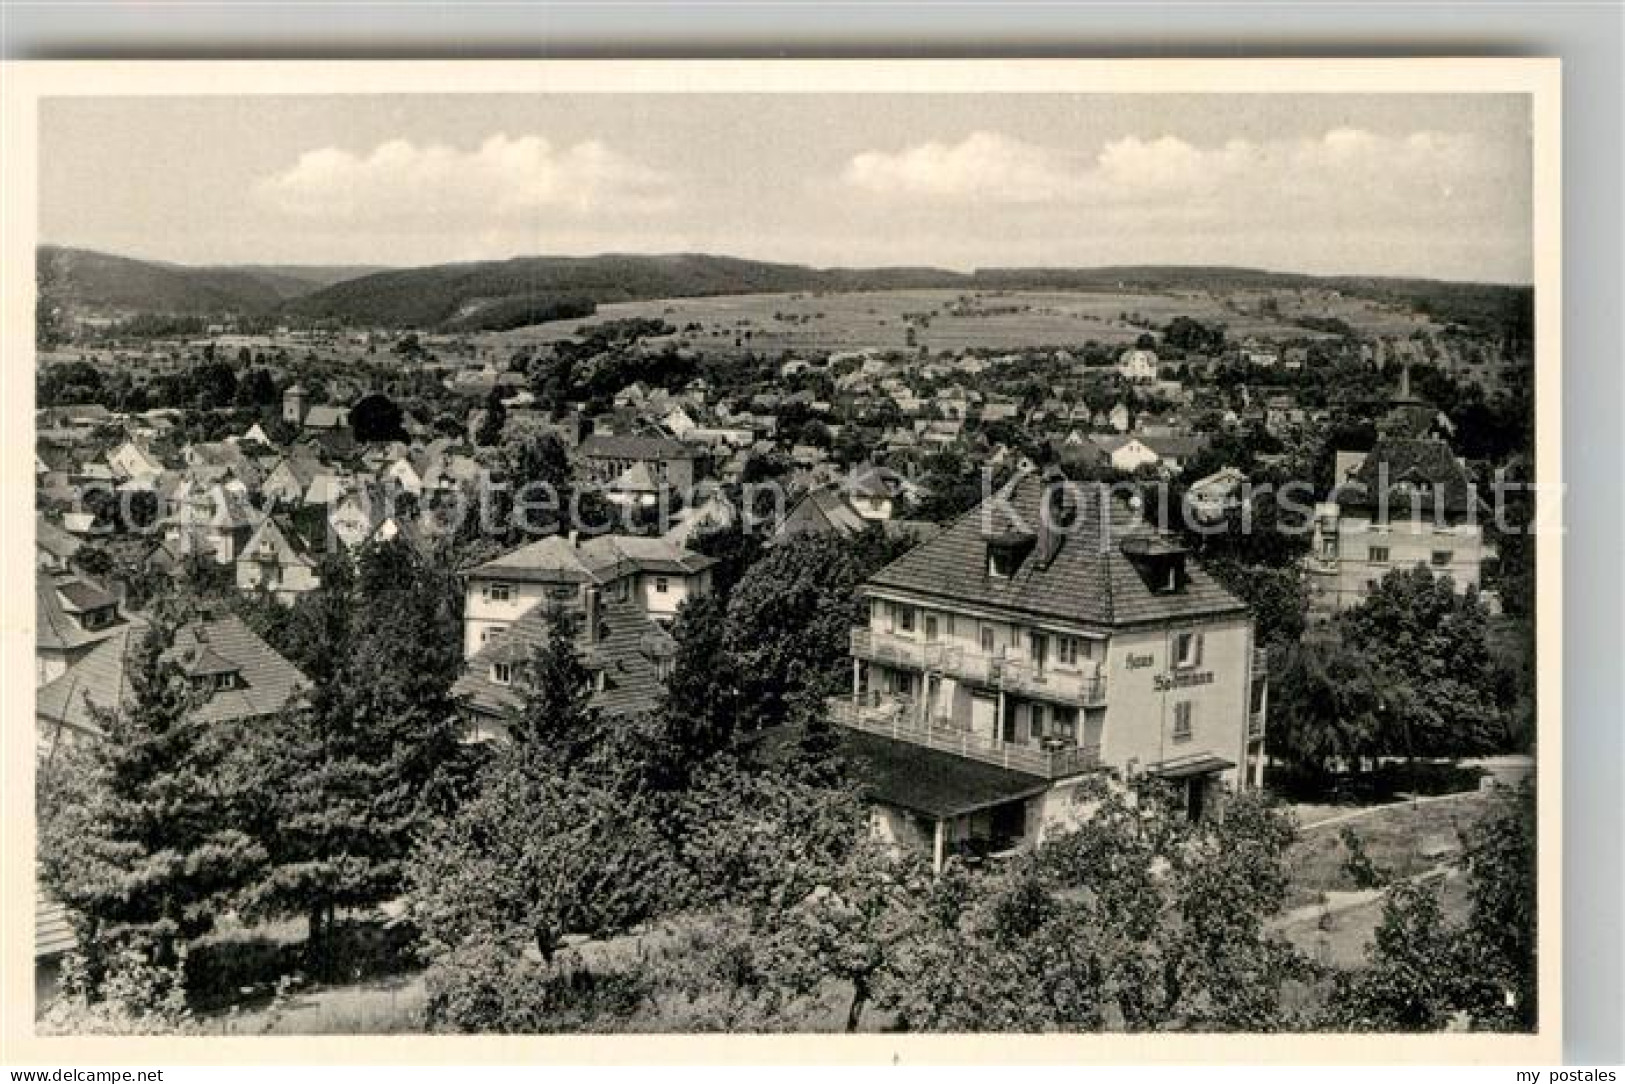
{"x":1441,"y":557}
{"x":501,"y":592}
{"x":931,"y":629}
{"x":1182,"y":721}
{"x":990,"y":639}
{"x":1187,"y":649}
{"x":905,"y":618}
{"x":1035,"y":719}
{"x":1040,"y":650}
{"x":662,"y":585}
{"x":1066,"y":724}
{"x":1378,"y":555}
{"x":502,"y":673}
{"x":1073,"y":649}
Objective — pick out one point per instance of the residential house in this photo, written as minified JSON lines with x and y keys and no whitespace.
{"x":649,"y":573}
{"x":1406,"y":503}
{"x":290,"y":479}
{"x":1174,"y":450}
{"x":670,"y":462}
{"x":1137,"y":366}
{"x":1213,"y":496}
{"x":242,"y":676}
{"x":1018,"y":653}
{"x":54,"y":548}
{"x":213,"y":521}
{"x":867,"y":497}
{"x":72,"y":614}
{"x":278,"y":559}
{"x":133,"y":459}
{"x":1127,"y":453}
{"x":627,"y":653}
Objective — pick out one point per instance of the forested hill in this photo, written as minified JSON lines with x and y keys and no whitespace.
{"x":509,"y":293}
{"x":474,"y":295}
{"x":80,"y":281}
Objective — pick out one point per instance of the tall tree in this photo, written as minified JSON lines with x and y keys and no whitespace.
{"x":136,"y":834}
{"x":790,"y":617}
{"x":347,"y":786}
{"x":1432,"y":646}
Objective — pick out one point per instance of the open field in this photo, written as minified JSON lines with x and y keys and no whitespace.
{"x":1402,"y":840}
{"x":1340,"y":934}
{"x":943,"y":320}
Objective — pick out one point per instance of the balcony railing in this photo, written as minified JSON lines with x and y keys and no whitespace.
{"x":995,"y":671}
{"x":898,"y":718}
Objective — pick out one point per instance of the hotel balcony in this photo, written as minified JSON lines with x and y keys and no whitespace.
{"x":1019,"y":676}
{"x":899,"y":718}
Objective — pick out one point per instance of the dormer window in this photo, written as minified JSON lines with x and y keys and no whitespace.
{"x":502,"y":673}
{"x":1160,"y":562}
{"x":217,"y":682}
{"x":501,"y":592}
{"x":1006,"y":552}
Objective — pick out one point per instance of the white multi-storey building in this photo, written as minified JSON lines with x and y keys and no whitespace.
{"x":1016,"y":654}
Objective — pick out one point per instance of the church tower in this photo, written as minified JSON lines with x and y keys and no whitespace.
{"x":294,"y":403}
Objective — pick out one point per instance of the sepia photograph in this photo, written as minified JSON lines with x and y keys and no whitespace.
{"x":713,"y":550}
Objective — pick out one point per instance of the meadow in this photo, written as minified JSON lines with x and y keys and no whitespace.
{"x":939,"y":320}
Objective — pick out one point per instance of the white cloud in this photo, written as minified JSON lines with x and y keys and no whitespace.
{"x":503,"y":178}
{"x":1346,"y":174}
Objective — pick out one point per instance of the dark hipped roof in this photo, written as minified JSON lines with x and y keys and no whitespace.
{"x":1395,"y":462}
{"x":556,"y":559}
{"x":266,"y":681}
{"x":929,"y":781}
{"x":1089,"y":581}
{"x":628,"y":446}
{"x":628,"y":645}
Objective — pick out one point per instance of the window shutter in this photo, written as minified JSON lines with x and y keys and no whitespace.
{"x":1199,"y":638}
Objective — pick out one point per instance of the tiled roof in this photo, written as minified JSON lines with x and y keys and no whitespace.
{"x":1394,"y":462}
{"x":635,"y":479}
{"x":1088,"y":581}
{"x":81,"y":596}
{"x":555,"y":559}
{"x":266,"y":681}
{"x":57,"y":596}
{"x":51,"y":538}
{"x":625,"y":446}
{"x":1177,"y":447}
{"x":628,"y":645}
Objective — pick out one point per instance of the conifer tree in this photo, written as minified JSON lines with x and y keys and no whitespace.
{"x":136,"y":836}
{"x":339,"y":792}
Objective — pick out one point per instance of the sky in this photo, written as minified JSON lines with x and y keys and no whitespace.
{"x":1435,"y":186}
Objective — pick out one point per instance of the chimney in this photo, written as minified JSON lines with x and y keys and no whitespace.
{"x":590,"y":600}
{"x":1057,"y":513}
